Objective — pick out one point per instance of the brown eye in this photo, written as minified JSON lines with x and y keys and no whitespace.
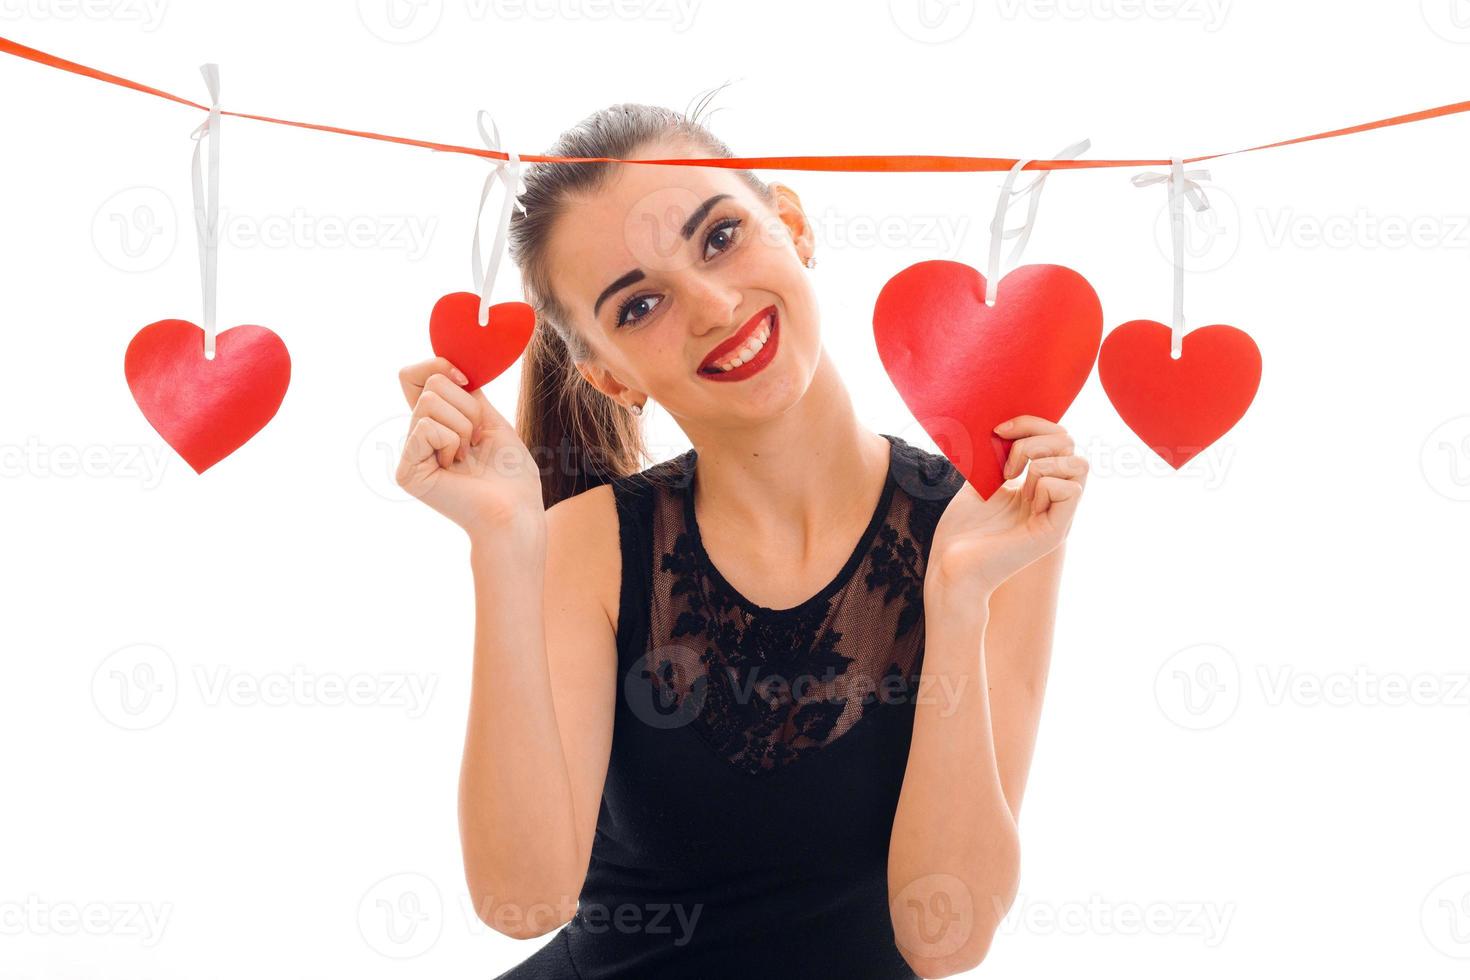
{"x":635,"y":303}
{"x":721,"y":236}
{"x":724,"y":233}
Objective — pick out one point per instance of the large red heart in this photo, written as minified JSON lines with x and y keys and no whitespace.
{"x":1179,"y":407}
{"x":206,"y":408}
{"x":482,"y":353}
{"x":963,"y":367}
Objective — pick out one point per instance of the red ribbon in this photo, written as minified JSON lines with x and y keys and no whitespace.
{"x":901,"y":163}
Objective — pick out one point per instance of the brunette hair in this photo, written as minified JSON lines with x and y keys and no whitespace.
{"x":588,"y":436}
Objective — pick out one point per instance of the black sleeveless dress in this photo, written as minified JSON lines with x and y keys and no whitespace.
{"x":757,"y":754}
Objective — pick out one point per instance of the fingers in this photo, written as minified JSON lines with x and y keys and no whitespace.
{"x":1026,"y":425}
{"x":1057,"y":498}
{"x":432,"y":405}
{"x":412,"y":378}
{"x":427,"y":438}
{"x":1054,"y":442}
{"x":1068,"y":467}
{"x":472,"y":408}
{"x":1054,"y":479}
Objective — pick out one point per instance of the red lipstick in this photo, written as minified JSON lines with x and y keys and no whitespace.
{"x":738,"y":340}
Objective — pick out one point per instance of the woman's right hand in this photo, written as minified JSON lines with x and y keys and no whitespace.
{"x":462,"y":457}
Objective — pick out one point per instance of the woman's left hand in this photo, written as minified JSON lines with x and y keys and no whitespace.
{"x":978,"y":543}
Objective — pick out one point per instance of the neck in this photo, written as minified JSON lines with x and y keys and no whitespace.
{"x":812,"y":471}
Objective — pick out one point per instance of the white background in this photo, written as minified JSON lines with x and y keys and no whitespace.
{"x":1251,"y":760}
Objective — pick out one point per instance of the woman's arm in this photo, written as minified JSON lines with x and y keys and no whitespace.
{"x":1018,"y":642}
{"x":540,"y":718}
{"x":994,"y":660}
{"x":541,"y":698}
{"x":954,"y":854}
{"x":990,"y":589}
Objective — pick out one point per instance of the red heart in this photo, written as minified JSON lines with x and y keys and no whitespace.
{"x":963,"y":367}
{"x":206,"y":409}
{"x":1179,"y":407}
{"x":482,"y":353}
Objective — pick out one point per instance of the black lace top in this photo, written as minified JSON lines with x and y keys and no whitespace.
{"x":757,"y":753}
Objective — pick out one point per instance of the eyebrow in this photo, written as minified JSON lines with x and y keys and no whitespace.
{"x":628,"y":278}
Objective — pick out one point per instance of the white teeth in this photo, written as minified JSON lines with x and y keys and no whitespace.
{"x":752,"y":347}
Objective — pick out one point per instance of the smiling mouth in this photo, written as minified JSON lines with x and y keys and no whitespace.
{"x":745,"y":346}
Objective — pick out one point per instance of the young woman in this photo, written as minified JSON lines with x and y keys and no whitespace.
{"x":763,"y":709}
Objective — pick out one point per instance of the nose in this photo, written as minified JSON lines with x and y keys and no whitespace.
{"x":714,"y":304}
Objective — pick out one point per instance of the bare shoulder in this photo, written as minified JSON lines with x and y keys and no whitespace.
{"x":583,"y":554}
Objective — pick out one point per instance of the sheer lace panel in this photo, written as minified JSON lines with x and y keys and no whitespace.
{"x":765,"y":687}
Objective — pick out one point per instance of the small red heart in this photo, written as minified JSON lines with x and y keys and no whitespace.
{"x":206,"y":409}
{"x":963,"y":367}
{"x":1179,"y":407}
{"x":482,"y":353}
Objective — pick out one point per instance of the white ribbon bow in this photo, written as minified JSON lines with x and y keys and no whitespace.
{"x":507,"y":172}
{"x":997,"y":224}
{"x":1182,"y":187}
{"x":206,"y":209}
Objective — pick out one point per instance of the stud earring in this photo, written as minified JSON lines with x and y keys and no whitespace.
{"x":811,"y":261}
{"x":636,"y":409}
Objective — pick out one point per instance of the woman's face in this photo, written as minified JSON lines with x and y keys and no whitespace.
{"x":666,"y":264}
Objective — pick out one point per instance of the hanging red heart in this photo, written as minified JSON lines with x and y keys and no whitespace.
{"x":206,"y":408}
{"x":482,"y":353}
{"x":1178,"y":407}
{"x":963,"y":367}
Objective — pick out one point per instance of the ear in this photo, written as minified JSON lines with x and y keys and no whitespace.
{"x":787,"y":206}
{"x":602,"y":379}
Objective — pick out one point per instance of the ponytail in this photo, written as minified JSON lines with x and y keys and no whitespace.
{"x":578,"y":436}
